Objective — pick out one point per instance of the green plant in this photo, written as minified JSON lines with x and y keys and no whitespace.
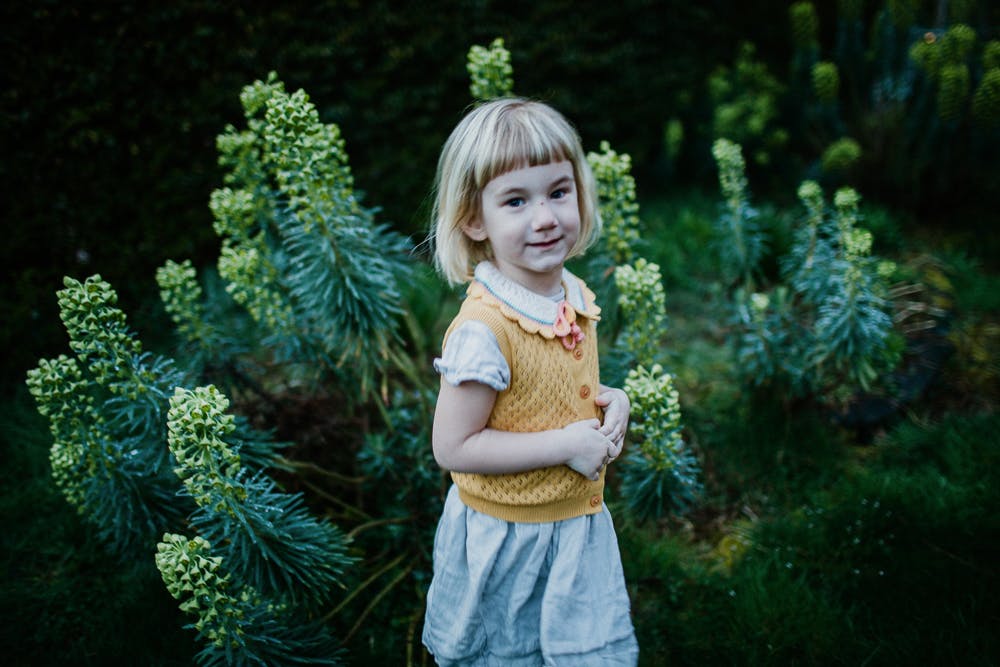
{"x":126,"y":434}
{"x":841,"y":155}
{"x":237,"y":625}
{"x":739,"y":239}
{"x":660,"y":474}
{"x":826,"y":82}
{"x":490,"y":71}
{"x":105,"y":409}
{"x":308,"y":262}
{"x":827,"y":330}
{"x":746,"y":106}
{"x":618,"y":207}
{"x":267,"y":536}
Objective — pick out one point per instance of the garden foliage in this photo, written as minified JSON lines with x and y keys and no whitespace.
{"x":299,"y":251}
{"x":140,"y":457}
{"x":894,"y":105}
{"x":826,"y":329}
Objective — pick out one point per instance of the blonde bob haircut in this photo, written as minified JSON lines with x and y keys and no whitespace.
{"x":491,"y":140}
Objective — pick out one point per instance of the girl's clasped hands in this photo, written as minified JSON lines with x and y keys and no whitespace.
{"x":598,"y":444}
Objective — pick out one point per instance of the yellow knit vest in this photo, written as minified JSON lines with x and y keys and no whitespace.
{"x":550,"y":387}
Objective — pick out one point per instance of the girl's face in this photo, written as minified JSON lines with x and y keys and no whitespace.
{"x":531,"y":218}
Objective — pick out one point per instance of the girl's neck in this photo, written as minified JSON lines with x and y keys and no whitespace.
{"x":543,"y":284}
{"x":549,"y":285}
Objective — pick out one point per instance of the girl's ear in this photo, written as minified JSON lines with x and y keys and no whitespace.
{"x":475,"y":229}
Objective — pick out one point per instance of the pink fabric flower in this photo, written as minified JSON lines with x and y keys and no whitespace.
{"x":565,"y":326}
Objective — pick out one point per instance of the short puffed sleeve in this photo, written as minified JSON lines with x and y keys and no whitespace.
{"x":472,"y":353}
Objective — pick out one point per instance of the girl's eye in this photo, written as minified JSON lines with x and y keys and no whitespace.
{"x":559,"y":194}
{"x":514,"y":202}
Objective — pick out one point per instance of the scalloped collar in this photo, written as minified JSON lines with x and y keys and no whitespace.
{"x":527,"y":304}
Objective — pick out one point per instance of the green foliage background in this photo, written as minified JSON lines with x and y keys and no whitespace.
{"x":110,"y":112}
{"x":107,"y":137}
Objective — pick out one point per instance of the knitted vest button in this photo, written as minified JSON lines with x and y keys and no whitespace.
{"x":595,"y":501}
{"x":585,"y":391}
{"x":578,"y":354}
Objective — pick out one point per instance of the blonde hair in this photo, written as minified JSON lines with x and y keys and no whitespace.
{"x":491,"y":140}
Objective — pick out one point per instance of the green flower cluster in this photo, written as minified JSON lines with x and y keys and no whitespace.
{"x":618,"y":207}
{"x":656,"y":404}
{"x":826,"y":82}
{"x":241,"y":213}
{"x":98,"y":333}
{"x":841,"y":155}
{"x":945,"y":61}
{"x":846,"y":201}
{"x":196,"y":426}
{"x":251,"y":279}
{"x":236,"y":152}
{"x":490,"y":71}
{"x":746,"y":100}
{"x":643,"y":305}
{"x":729,"y":158}
{"x":310,"y":158}
{"x":661,"y":474}
{"x":62,"y":395}
{"x":811,"y":196}
{"x":195,"y":577}
{"x":105,"y":411}
{"x":299,"y":251}
{"x":673,"y":138}
{"x":739,"y":239}
{"x":805,"y":25}
{"x":181,"y":295}
{"x":953,"y":90}
{"x":986,"y":102}
{"x":855,"y":243}
{"x":254,"y":97}
{"x":234,"y":213}
{"x":269,"y":538}
{"x":239,"y":625}
{"x":991,"y":55}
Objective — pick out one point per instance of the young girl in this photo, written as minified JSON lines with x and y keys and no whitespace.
{"x":526,"y":563}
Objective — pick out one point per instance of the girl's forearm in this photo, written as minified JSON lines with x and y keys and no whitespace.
{"x":495,"y":452}
{"x":463,"y":443}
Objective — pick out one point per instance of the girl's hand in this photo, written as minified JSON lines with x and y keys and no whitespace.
{"x":588,"y":449}
{"x":616,"y":413}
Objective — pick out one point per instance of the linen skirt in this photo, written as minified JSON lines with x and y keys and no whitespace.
{"x":527,"y":594}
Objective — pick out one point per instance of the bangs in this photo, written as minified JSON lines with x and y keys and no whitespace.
{"x":522,"y":138}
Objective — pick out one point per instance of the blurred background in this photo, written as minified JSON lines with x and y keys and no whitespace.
{"x":110,"y":111}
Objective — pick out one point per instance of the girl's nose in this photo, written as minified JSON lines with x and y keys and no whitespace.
{"x":544,"y":218}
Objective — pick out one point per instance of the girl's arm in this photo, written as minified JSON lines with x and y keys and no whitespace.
{"x":462,"y":443}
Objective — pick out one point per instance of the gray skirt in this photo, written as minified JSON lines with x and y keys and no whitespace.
{"x":520,"y":594}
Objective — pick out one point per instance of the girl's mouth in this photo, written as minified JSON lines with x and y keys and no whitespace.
{"x":544,"y":245}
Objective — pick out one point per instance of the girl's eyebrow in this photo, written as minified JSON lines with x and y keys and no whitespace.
{"x":509,"y":190}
